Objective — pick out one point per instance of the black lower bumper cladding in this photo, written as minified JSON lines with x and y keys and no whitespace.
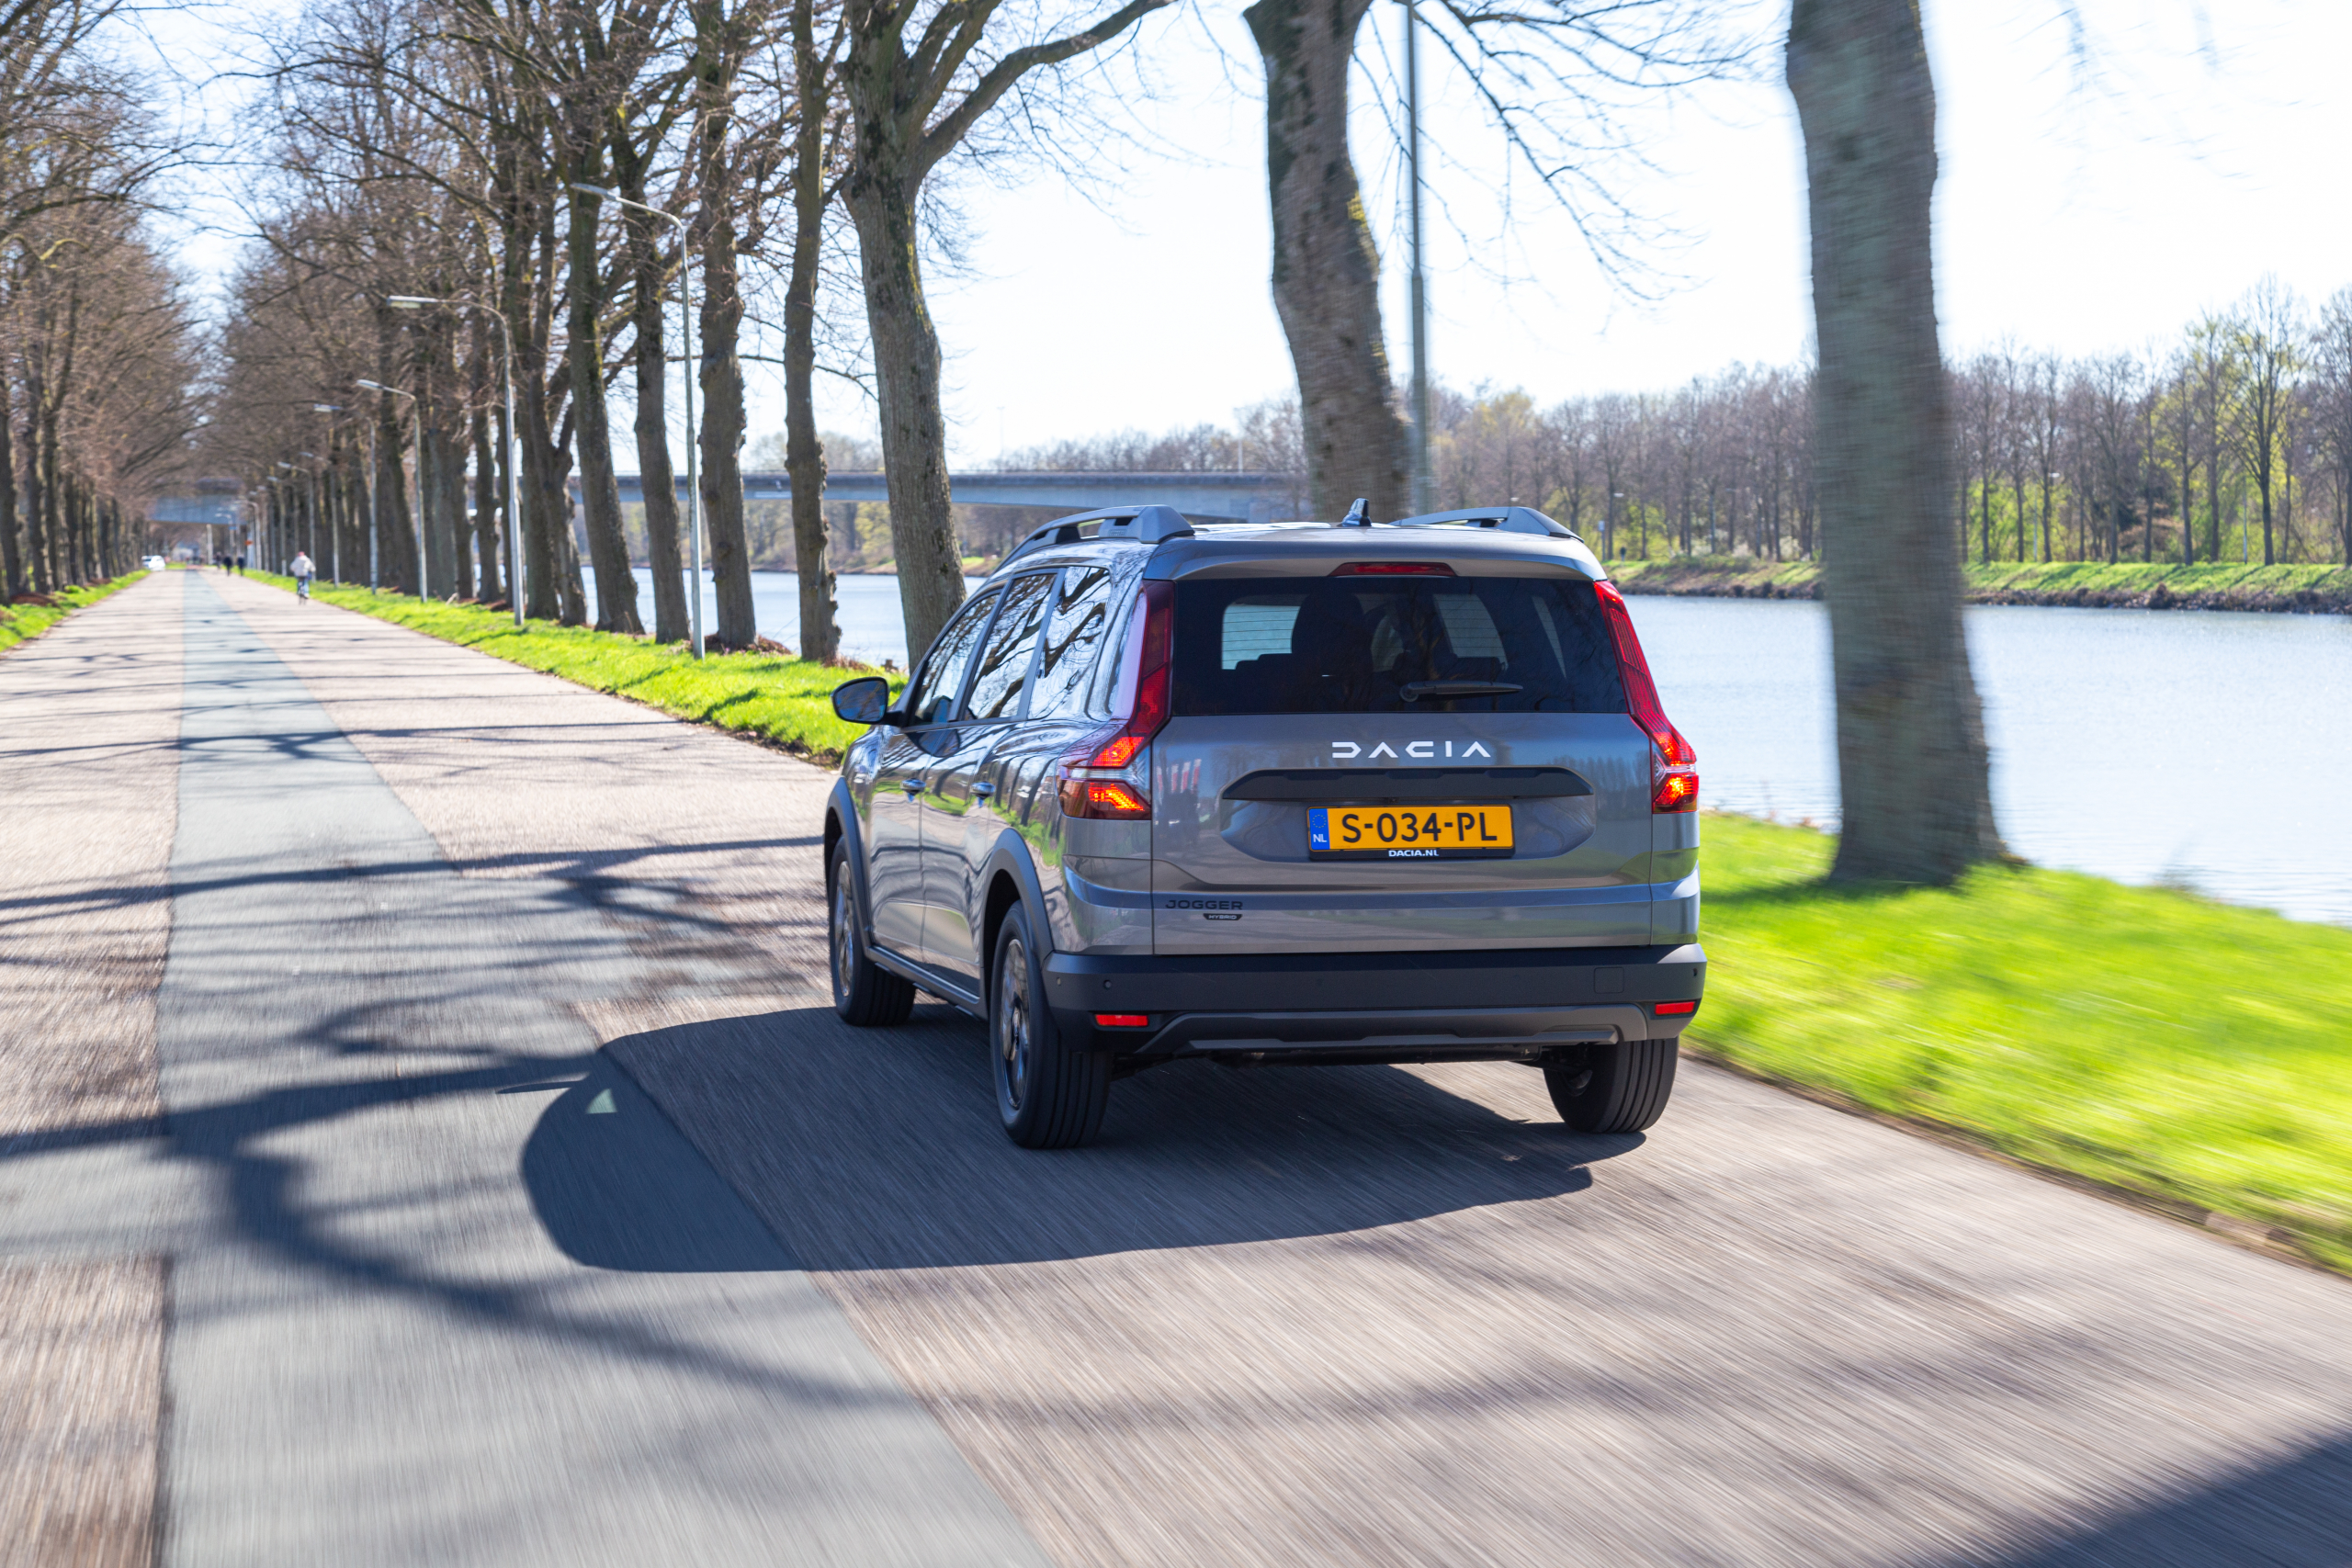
{"x":1520,"y":1004}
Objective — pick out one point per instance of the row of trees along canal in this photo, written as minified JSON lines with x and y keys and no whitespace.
{"x":453,"y":149}
{"x":2233,"y":443}
{"x":98,"y":350}
{"x":441,"y":149}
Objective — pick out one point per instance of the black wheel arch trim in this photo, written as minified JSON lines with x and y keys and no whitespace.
{"x":1011,"y":856}
{"x":842,"y":826}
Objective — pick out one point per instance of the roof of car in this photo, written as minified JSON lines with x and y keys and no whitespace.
{"x":1476,"y":541}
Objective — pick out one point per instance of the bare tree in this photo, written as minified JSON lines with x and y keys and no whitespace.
{"x":904,"y":65}
{"x":2269,"y":335}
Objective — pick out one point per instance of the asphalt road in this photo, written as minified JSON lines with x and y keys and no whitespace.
{"x":517,"y":1198}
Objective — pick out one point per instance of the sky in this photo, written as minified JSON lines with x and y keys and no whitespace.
{"x":2092,"y":199}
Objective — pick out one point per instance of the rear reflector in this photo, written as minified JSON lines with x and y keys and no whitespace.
{"x":1123,"y":1020}
{"x":1668,"y":1009}
{"x":1393,"y":569}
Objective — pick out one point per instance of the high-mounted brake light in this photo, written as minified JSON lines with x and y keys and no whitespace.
{"x":1393,"y":569}
{"x":1147,"y":681}
{"x":1673,"y":777}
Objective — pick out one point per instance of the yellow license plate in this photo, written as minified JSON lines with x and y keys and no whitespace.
{"x":1407,"y":832}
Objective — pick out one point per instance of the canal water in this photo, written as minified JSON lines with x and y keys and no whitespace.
{"x":2202,"y":750}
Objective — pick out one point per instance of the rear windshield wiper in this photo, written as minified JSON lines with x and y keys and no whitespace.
{"x":1414,"y":691}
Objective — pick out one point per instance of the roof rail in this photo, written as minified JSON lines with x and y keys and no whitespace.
{"x":1142,"y":524}
{"x":1511,"y":519}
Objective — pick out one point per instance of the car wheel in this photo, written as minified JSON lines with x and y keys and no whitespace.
{"x":1049,"y":1096}
{"x":1616,"y":1089}
{"x":864,"y":994}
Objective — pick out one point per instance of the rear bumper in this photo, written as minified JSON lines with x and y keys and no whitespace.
{"x":1517,"y":1005}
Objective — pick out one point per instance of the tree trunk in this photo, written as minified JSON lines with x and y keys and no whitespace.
{"x":663,"y":542}
{"x":600,"y":496}
{"x":11,"y":562}
{"x":1911,"y":755}
{"x":722,"y":440}
{"x":1327,"y":270}
{"x":721,"y":370}
{"x":36,"y":532}
{"x":906,"y":384}
{"x":804,"y":456}
{"x":395,"y":534}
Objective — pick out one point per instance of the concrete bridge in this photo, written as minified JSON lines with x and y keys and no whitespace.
{"x":1243,"y":497}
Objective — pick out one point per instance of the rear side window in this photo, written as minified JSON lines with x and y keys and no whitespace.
{"x":943,"y":672}
{"x":1369,"y":645}
{"x":1076,"y":626}
{"x":1003,"y":669}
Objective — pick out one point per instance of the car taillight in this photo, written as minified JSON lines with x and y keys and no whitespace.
{"x":1148,"y":681}
{"x":1674,"y":773}
{"x":1114,"y":799}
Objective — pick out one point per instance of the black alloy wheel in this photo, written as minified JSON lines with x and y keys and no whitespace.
{"x":864,"y":994}
{"x":1049,"y":1096}
{"x":1616,"y":1089}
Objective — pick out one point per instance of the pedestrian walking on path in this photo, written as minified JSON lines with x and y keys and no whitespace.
{"x":301,"y":568}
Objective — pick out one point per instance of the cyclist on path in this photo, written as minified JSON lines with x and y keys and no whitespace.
{"x":302,"y":569}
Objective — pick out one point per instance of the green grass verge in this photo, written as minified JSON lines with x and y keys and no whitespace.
{"x":783,"y":701}
{"x":2215,"y":585}
{"x":2195,"y":1055}
{"x":19,"y":623}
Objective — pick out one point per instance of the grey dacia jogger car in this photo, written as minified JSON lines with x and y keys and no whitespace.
{"x":1278,"y":794}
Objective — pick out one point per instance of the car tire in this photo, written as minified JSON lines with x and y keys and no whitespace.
{"x":1049,"y":1095}
{"x":1616,"y":1089}
{"x":864,"y":994}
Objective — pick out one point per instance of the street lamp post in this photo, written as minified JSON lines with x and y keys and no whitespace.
{"x":417,"y":528}
{"x":694,"y":475}
{"x":514,"y":442}
{"x":1424,"y":496}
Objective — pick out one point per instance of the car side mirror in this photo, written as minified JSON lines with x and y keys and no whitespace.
{"x":866,"y":700}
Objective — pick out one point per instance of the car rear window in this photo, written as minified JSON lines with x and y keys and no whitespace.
{"x":1373,"y":644}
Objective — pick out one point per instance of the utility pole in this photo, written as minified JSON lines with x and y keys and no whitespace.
{"x":1424,"y":487}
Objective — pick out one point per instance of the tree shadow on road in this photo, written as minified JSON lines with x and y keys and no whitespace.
{"x":2293,"y":1511}
{"x":880,"y":1150}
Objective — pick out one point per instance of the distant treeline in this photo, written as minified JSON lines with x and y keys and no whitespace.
{"x":2235,"y":442}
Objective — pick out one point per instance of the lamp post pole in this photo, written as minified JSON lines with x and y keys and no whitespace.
{"x":1424,"y":497}
{"x":514,"y":444}
{"x":694,"y":475}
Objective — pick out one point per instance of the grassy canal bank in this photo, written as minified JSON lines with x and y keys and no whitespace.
{"x":35,"y":614}
{"x":2193,"y":1056}
{"x":2127,"y":585}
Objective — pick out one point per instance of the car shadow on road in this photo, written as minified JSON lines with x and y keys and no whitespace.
{"x":880,"y":1150}
{"x":617,"y":1187}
